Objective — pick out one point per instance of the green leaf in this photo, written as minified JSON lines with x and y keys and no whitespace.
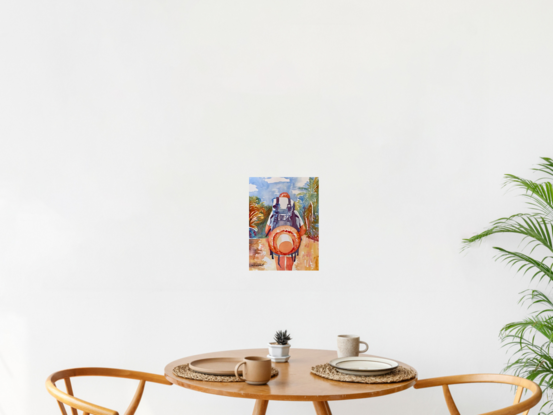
{"x":531,"y":339}
{"x":546,"y":167}
{"x":540,"y":195}
{"x":532,"y":227}
{"x":527,"y":263}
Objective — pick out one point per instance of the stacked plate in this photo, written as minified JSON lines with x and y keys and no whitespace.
{"x":363,"y":365}
{"x":219,"y":366}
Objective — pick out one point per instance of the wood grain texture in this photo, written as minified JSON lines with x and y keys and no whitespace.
{"x":69,"y":389}
{"x":136,"y":399}
{"x":322,"y":408}
{"x":449,"y":401}
{"x":515,"y":409}
{"x":62,"y":408}
{"x":518,"y":395}
{"x":295,"y":381}
{"x":260,"y":407}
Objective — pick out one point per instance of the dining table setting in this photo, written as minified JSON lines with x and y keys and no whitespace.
{"x":290,"y":374}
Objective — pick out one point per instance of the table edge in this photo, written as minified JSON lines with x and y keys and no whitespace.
{"x":401,"y":386}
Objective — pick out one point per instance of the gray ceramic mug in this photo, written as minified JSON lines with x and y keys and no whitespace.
{"x":348,"y":345}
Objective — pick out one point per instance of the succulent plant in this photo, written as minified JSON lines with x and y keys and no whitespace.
{"x":282,"y":337}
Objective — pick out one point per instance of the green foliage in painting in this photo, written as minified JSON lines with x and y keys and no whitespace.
{"x":307,"y":206}
{"x":259,"y":215}
{"x":308,"y":202}
{"x":531,"y":339}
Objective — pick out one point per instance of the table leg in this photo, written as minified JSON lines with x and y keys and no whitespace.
{"x":260,"y":407}
{"x":322,"y":408}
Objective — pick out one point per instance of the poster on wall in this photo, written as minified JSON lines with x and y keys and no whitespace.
{"x":284,"y":224}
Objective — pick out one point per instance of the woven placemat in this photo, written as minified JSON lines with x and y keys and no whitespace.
{"x":400,"y":374}
{"x":184,"y":371}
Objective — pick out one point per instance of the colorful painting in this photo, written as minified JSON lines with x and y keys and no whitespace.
{"x":284,"y":224}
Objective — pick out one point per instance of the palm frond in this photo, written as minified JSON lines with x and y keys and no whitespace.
{"x":546,"y":167}
{"x":532,"y":359}
{"x":538,"y":298}
{"x":540,"y":195}
{"x":532,"y":227}
{"x":536,"y":323}
{"x":531,"y":339}
{"x":527,"y":263}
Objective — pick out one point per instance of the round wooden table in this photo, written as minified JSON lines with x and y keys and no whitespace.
{"x":295,"y":382}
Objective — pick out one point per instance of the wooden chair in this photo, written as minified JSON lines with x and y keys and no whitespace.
{"x":89,"y":408}
{"x":516,"y":408}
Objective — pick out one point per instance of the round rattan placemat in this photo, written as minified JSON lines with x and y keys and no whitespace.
{"x":400,"y":374}
{"x":184,"y":371}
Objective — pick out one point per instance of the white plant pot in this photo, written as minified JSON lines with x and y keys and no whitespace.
{"x":277,"y":350}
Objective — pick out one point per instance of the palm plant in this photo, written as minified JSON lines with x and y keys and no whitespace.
{"x":532,"y":338}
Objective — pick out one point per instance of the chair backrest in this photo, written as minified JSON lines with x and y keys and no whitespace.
{"x":516,"y":408}
{"x":88,"y":408}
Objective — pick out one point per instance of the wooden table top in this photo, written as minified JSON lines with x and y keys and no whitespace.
{"x":295,"y":382}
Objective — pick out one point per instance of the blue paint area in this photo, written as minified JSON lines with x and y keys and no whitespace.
{"x":253,"y":233}
{"x":267,"y":191}
{"x":264,"y":189}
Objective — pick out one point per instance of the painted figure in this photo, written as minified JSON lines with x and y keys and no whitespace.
{"x":284,"y":231}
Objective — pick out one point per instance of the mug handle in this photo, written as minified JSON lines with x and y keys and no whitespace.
{"x":243,"y":362}
{"x":365,"y":343}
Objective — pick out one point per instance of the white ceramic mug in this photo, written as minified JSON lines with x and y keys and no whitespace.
{"x":348,"y":345}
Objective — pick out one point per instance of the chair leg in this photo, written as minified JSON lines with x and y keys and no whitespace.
{"x":322,"y":408}
{"x":260,"y":407}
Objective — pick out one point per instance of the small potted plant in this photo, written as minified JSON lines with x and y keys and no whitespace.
{"x":279,"y":350}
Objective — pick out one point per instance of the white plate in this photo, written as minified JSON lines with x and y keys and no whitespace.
{"x":364,"y":365}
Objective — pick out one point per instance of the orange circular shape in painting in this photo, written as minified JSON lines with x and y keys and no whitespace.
{"x":285,"y":247}
{"x":284,"y":240}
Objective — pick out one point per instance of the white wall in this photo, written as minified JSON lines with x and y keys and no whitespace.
{"x":128,"y":132}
